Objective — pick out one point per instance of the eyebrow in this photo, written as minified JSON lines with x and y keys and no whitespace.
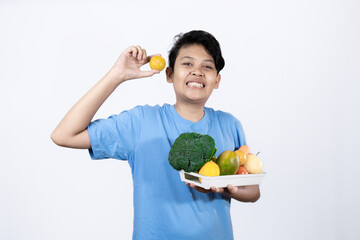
{"x":206,"y":60}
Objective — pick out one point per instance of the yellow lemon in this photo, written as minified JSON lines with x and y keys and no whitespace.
{"x":157,"y":63}
{"x":210,"y":169}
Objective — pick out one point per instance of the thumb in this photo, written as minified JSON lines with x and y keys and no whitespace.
{"x":149,"y":73}
{"x":231,"y":188}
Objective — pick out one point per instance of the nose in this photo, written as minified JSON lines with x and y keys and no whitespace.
{"x":197,"y":73}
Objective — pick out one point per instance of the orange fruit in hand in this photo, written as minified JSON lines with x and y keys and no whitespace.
{"x":245,"y":149}
{"x":157,"y":63}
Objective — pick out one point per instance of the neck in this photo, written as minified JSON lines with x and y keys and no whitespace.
{"x":190,"y":112}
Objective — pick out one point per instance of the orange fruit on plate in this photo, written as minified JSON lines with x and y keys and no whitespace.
{"x":242,"y":156}
{"x":157,"y":63}
{"x":245,"y":149}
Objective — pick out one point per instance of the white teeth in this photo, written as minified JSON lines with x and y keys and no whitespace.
{"x":195,"y":84}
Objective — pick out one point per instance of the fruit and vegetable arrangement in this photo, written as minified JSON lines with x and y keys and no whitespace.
{"x":194,"y":152}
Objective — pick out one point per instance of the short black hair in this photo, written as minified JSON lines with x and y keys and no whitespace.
{"x":203,"y":38}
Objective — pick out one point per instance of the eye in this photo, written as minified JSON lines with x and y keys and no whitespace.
{"x":186,"y":64}
{"x":208,"y":67}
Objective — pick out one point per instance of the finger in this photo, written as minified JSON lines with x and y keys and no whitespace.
{"x":217,"y":190}
{"x":130,"y":49}
{"x":140,"y":52}
{"x":144,"y":55}
{"x":149,"y":57}
{"x":144,"y":59}
{"x":199,"y":189}
{"x":202,"y":190}
{"x":193,"y":186}
{"x":232,"y":189}
{"x":149,"y":73}
{"x":133,"y":51}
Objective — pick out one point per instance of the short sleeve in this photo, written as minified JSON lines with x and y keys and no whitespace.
{"x":115,"y":137}
{"x":241,"y":139}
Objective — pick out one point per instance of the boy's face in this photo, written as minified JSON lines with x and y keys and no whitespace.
{"x":194,"y":75}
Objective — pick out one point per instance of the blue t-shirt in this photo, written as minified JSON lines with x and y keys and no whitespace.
{"x":164,"y":207}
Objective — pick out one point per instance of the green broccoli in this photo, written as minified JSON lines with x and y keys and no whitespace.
{"x":191,"y":151}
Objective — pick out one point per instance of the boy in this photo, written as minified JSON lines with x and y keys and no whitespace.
{"x":164,"y":207}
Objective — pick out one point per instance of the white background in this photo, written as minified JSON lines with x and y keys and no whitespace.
{"x":292,"y":77}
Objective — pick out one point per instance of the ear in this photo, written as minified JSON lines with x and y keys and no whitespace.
{"x":169,"y":75}
{"x":218,"y":78}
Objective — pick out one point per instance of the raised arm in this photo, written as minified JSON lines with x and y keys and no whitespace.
{"x":72,"y":130}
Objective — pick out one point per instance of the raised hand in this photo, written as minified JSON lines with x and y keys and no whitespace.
{"x":128,"y":64}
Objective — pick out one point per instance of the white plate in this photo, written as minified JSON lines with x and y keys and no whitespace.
{"x":221,"y":181}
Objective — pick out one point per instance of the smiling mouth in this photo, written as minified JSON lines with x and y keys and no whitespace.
{"x":195,"y":84}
